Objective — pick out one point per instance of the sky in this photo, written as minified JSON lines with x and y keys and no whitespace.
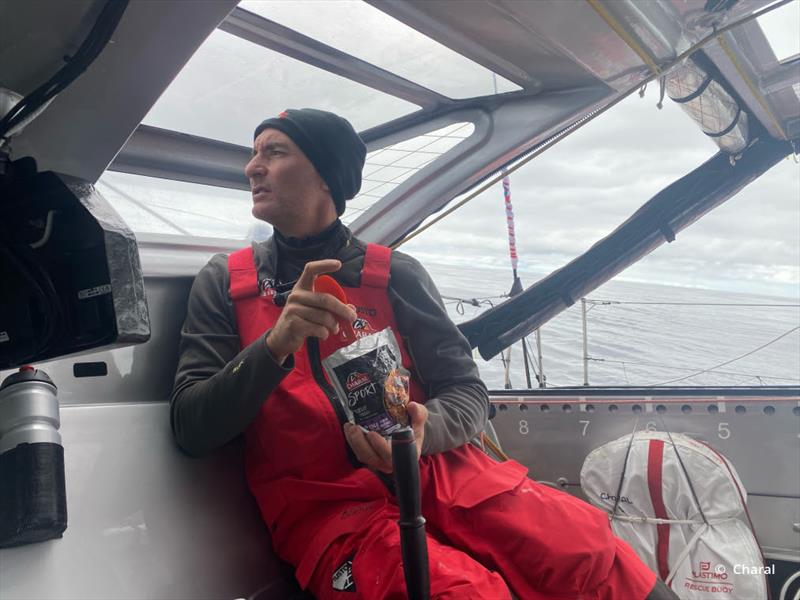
{"x":564,"y":201}
{"x":582,"y":189}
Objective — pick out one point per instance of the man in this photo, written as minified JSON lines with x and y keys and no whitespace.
{"x":250,"y":362}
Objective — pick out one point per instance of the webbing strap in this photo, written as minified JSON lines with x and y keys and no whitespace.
{"x":243,"y":276}
{"x":655,"y":460}
{"x":375,"y":272}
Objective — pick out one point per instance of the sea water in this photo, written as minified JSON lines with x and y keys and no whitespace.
{"x":681,"y":336}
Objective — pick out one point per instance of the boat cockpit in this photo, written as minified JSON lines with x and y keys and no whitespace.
{"x":125,"y":126}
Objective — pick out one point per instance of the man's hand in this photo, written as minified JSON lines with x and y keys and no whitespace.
{"x":373,"y":450}
{"x":308,"y":313}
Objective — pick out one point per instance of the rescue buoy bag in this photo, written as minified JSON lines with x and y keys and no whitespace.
{"x":682,"y":507}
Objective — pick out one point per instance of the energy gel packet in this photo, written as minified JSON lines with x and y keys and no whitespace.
{"x":370,"y":382}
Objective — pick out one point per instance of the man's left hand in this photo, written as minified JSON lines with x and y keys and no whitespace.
{"x":373,"y":450}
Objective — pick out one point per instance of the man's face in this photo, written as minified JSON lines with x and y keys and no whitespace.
{"x":287,"y":190}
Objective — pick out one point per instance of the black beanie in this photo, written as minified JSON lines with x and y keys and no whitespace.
{"x":330,"y":143}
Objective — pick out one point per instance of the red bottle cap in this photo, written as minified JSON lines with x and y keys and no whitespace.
{"x":326,"y":284}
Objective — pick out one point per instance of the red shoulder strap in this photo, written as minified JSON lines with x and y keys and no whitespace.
{"x":375,"y":272}
{"x":243,"y":276}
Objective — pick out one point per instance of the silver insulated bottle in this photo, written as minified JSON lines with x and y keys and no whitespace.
{"x":33,"y":504}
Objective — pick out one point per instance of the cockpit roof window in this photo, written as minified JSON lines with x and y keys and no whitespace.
{"x":152,"y":205}
{"x":780,"y":27}
{"x":230,"y":85}
{"x":355,"y":27}
{"x":164,"y":206}
{"x":388,"y":167}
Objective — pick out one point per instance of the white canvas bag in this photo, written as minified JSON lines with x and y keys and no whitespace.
{"x":682,"y":508}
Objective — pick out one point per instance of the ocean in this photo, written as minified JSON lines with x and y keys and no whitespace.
{"x":682,"y":336}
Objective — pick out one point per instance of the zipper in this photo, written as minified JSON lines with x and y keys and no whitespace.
{"x":314,"y":360}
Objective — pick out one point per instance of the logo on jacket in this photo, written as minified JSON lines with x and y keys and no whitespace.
{"x":266,"y":287}
{"x":362,"y":328}
{"x":342,"y":580}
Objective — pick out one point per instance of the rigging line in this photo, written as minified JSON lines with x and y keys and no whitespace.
{"x":418,"y":150}
{"x":607,"y":302}
{"x":676,"y":368}
{"x":355,"y":209}
{"x":479,"y":298}
{"x":394,"y":162}
{"x":383,"y":181}
{"x":435,"y":138}
{"x":552,"y":140}
{"x":727,"y":362}
{"x":183,"y":212}
{"x":409,"y":172}
{"x":394,"y":165}
{"x":537,"y":368}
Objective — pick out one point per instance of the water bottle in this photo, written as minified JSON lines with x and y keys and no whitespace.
{"x":33,"y":503}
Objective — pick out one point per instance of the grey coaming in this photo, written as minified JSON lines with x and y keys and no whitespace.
{"x":762,"y":447}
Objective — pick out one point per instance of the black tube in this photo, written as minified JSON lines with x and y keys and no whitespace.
{"x":413,"y":544}
{"x":527,"y":362}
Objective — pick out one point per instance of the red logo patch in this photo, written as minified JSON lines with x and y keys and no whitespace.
{"x":283,"y":115}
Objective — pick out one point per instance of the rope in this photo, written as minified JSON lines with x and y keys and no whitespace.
{"x":727,"y":362}
{"x":609,"y":302}
{"x":476,"y":299}
{"x":537,"y":150}
{"x":477,"y":302}
{"x":676,"y":368}
{"x":655,"y":521}
{"x":685,"y":553}
{"x":624,"y":468}
{"x":684,"y":469}
{"x":787,"y":584}
{"x":485,"y":439}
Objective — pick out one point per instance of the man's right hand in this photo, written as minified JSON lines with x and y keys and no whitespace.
{"x":308,"y":313}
